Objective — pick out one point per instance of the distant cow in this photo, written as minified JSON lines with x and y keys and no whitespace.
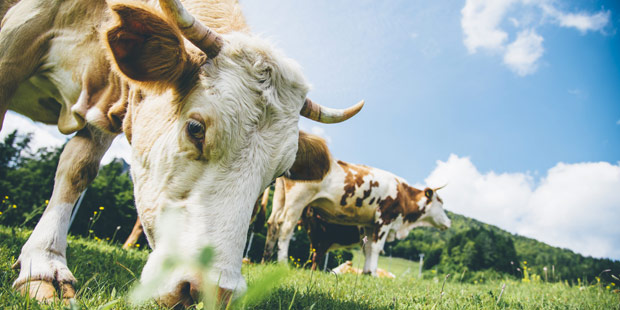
{"x":349,"y":194}
{"x":210,"y":110}
{"x":347,"y":267}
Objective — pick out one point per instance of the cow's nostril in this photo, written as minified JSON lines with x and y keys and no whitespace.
{"x":181,"y":298}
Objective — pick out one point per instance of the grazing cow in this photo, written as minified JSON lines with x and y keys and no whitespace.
{"x":210,"y":110}
{"x":349,"y":194}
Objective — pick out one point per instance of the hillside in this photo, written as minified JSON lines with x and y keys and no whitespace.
{"x":561,"y":264}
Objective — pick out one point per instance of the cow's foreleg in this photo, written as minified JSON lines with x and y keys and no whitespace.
{"x":318,"y":257}
{"x":373,"y":246}
{"x":43,"y":262}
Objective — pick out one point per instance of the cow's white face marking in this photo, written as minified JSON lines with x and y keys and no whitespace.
{"x":434,"y":214}
{"x":210,"y":155}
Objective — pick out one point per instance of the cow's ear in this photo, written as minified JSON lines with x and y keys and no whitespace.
{"x":147,"y":48}
{"x":428,"y":193}
{"x":313,"y":159}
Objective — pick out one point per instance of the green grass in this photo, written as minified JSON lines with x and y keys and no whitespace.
{"x":106,"y":273}
{"x":396,"y":265}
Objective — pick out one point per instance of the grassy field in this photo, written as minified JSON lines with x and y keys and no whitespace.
{"x":106,"y":273}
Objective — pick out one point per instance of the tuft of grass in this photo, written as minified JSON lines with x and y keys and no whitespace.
{"x":106,"y":273}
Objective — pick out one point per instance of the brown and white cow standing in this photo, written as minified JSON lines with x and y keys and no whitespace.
{"x":210,"y":110}
{"x":349,"y":194}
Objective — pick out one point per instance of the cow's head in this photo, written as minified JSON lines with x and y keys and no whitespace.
{"x":428,"y":211}
{"x":433,"y":214}
{"x":209,"y":129}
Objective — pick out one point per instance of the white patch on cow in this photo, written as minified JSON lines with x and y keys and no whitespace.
{"x":422,"y":203}
{"x":43,"y":255}
{"x":95,"y":116}
{"x":378,"y":219}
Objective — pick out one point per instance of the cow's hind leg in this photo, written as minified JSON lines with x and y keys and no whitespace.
{"x":44,"y":273}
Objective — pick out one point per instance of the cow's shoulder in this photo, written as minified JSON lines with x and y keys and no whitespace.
{"x":404,"y":202}
{"x":313,"y":160}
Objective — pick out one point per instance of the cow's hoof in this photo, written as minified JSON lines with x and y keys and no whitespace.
{"x":46,"y":291}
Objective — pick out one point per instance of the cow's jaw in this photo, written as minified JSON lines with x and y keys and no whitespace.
{"x":433,"y":216}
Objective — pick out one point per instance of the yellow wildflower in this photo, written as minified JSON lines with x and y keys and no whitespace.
{"x":137,"y":245}
{"x":524,"y":262}
{"x":14,"y":206}
{"x":608,"y":287}
{"x":100,"y":208}
{"x":95,"y":213}
{"x":47,"y":201}
{"x":0,"y":212}
{"x":6,"y":197}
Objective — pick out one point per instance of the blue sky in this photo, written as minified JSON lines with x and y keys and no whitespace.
{"x":514,"y":103}
{"x":428,"y":96}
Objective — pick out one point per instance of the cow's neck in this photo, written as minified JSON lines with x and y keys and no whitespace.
{"x":409,"y":202}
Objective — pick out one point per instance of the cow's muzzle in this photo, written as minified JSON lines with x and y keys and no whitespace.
{"x":187,"y":294}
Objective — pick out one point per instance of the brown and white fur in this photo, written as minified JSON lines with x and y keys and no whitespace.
{"x":350,"y":194}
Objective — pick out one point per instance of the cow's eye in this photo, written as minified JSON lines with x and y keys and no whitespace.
{"x":428,"y":193}
{"x":195,"y":129}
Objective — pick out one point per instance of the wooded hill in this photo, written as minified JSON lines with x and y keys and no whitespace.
{"x":470,"y":245}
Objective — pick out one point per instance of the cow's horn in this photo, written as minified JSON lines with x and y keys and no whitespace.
{"x":438,"y":188}
{"x":196,"y":32}
{"x":319,"y":113}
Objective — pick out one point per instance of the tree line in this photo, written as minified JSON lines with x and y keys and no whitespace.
{"x":470,"y":249}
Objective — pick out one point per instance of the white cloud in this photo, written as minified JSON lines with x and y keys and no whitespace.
{"x":581,"y":21}
{"x":49,"y":136}
{"x":319,"y":131}
{"x":43,"y":135}
{"x":482,"y":21}
{"x":575,"y":206}
{"x":522,"y":55}
{"x":618,"y":122}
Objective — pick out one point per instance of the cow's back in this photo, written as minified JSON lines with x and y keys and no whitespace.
{"x":350,"y":194}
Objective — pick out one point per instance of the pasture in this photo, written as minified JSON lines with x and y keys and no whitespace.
{"x":107,"y":273}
